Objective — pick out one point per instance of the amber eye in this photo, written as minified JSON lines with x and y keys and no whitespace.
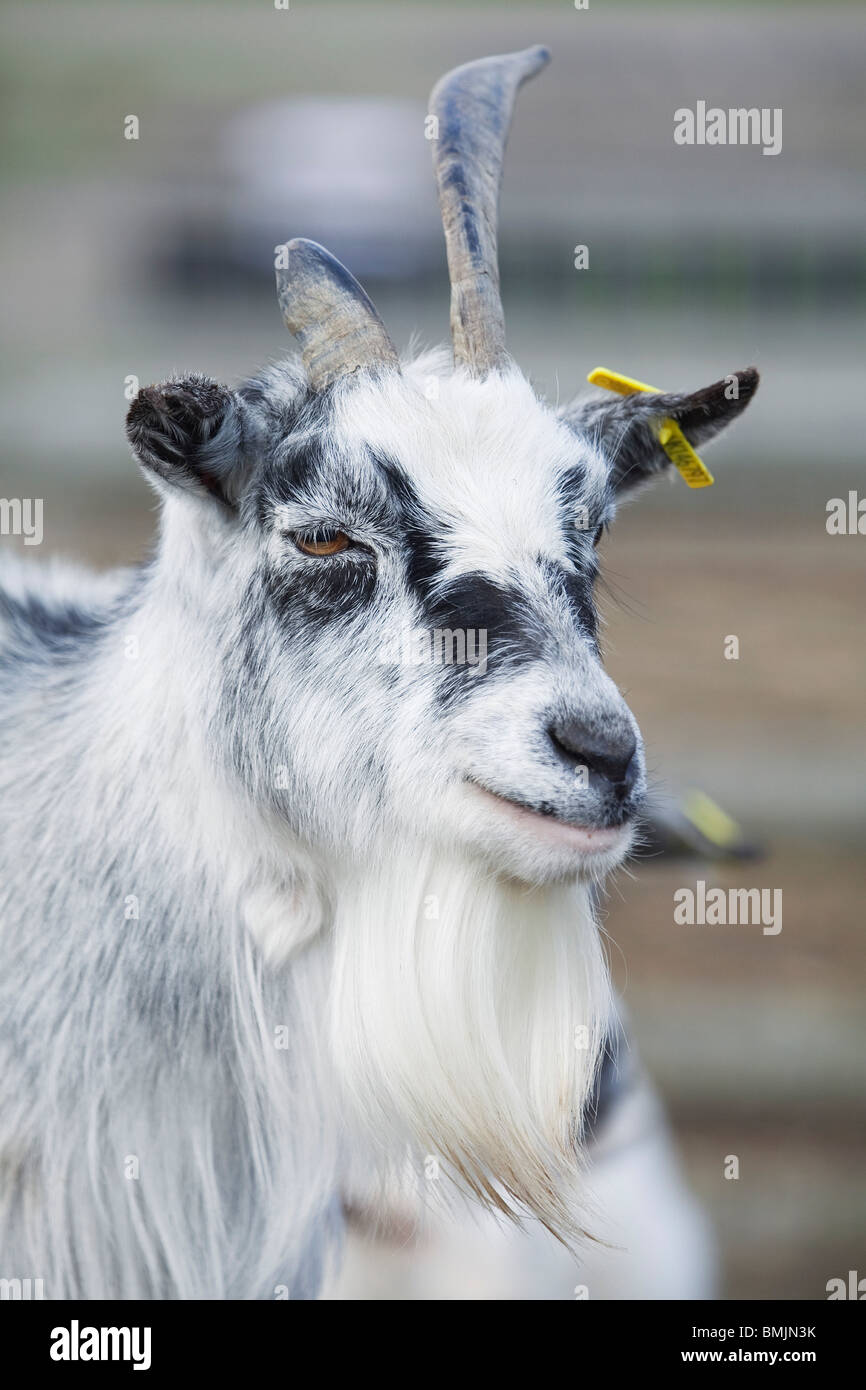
{"x":323,"y":543}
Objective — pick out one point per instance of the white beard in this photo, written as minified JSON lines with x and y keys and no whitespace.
{"x":467,"y":1019}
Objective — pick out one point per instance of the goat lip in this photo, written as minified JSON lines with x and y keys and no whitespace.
{"x":589,"y":839}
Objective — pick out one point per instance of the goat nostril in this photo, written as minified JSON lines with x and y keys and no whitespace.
{"x":613,"y":758}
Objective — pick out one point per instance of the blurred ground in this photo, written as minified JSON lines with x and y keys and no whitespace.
{"x":124,"y":258}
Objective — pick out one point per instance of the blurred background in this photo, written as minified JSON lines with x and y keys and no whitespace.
{"x":133,"y":258}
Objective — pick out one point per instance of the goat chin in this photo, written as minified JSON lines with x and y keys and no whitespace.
{"x":467,"y":1016}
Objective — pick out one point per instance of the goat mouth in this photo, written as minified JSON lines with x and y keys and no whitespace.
{"x":546,"y":825}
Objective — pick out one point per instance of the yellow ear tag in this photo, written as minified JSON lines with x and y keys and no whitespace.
{"x":709,"y":818}
{"x":670,"y":436}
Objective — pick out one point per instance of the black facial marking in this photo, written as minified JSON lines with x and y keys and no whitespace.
{"x":478,"y":602}
{"x":336,"y":588}
{"x":417,"y":529}
{"x":297,"y":462}
{"x":323,"y":590}
{"x":305,"y":468}
{"x":576,"y":586}
{"x":310,"y":468}
{"x":475,"y":604}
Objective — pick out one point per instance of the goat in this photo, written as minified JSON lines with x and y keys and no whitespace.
{"x":275,"y":903}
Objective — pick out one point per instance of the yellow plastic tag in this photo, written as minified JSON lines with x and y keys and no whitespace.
{"x":670,"y":436}
{"x":615,"y":381}
{"x":709,"y":818}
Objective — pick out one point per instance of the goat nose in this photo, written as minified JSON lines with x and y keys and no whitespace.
{"x":611,"y":757}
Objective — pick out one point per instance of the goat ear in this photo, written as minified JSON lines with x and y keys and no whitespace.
{"x":626,"y":427}
{"x":187,"y":432}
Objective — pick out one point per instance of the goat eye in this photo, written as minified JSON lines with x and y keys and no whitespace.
{"x":599,"y":532}
{"x":323,"y":543}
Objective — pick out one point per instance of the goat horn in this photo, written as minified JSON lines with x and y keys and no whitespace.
{"x":473,"y":106}
{"x":332,"y":318}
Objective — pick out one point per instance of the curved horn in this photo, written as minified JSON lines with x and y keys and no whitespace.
{"x":473,"y":106}
{"x":330,"y":315}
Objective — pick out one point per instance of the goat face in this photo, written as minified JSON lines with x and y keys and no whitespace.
{"x":451,"y":685}
{"x":414,"y":644}
{"x":396,"y":522}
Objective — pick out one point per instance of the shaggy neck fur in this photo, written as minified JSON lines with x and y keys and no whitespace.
{"x":168,"y":1115}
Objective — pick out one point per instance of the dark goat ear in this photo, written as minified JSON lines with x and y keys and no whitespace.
{"x":188,"y":433}
{"x":626,"y":427}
